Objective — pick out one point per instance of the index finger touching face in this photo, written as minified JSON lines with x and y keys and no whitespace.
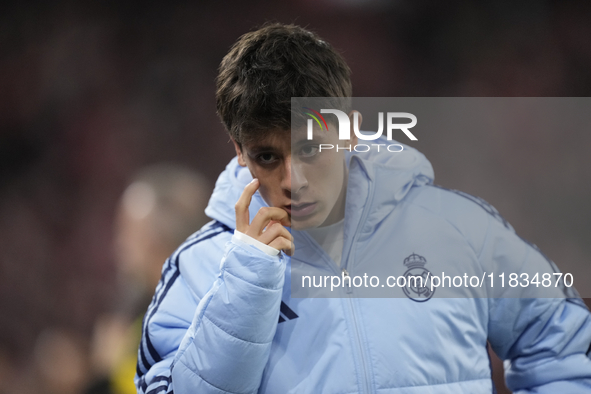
{"x":242,"y":205}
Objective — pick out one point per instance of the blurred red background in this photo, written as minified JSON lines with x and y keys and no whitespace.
{"x":91,"y":92}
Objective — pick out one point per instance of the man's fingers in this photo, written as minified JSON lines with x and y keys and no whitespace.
{"x":266,"y":215}
{"x":274,"y":219}
{"x":241,"y":207}
{"x":274,"y":231}
{"x":283,"y":244}
{"x":272,"y":222}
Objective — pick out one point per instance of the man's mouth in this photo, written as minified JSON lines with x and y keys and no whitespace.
{"x":301,"y":209}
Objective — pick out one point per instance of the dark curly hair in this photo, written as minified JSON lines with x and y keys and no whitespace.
{"x":265,"y":69}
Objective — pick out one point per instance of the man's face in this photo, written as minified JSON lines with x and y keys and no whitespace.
{"x":295,"y":176}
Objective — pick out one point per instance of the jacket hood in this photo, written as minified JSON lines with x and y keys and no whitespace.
{"x":385,"y":177}
{"x":227,"y":191}
{"x":378,"y":181}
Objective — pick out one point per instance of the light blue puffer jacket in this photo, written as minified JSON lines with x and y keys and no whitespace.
{"x":223,"y":319}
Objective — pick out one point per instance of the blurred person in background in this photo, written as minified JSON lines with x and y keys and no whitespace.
{"x":159,"y":209}
{"x":61,"y":362}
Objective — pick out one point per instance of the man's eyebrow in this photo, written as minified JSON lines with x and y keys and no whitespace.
{"x":262,"y":148}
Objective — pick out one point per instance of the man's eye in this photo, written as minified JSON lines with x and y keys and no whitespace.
{"x":266,"y":158}
{"x":309,"y":150}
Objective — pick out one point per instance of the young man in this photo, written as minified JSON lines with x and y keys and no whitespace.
{"x":223,"y":319}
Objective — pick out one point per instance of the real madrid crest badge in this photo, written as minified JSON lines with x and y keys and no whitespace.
{"x":417,"y":279}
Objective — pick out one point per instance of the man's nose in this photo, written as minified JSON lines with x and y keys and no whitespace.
{"x":294,"y":179}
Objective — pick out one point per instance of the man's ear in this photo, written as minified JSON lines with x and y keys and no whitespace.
{"x":238,"y":148}
{"x":354,"y":139}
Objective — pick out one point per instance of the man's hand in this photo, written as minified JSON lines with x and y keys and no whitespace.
{"x":268,"y":224}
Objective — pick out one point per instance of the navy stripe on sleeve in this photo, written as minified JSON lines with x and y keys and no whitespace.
{"x":147,"y":354}
{"x":160,"y":388}
{"x":492,"y":211}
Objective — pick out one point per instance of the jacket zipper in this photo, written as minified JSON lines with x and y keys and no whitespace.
{"x":358,"y":336}
{"x":348,"y":287}
{"x":361,"y":352}
{"x":350,"y":292}
{"x":369,"y":201}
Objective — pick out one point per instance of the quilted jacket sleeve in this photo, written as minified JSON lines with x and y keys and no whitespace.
{"x":543,"y":330}
{"x":224,"y":345}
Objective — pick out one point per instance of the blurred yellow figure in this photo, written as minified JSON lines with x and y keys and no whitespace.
{"x":160,"y":208}
{"x":122,"y":376}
